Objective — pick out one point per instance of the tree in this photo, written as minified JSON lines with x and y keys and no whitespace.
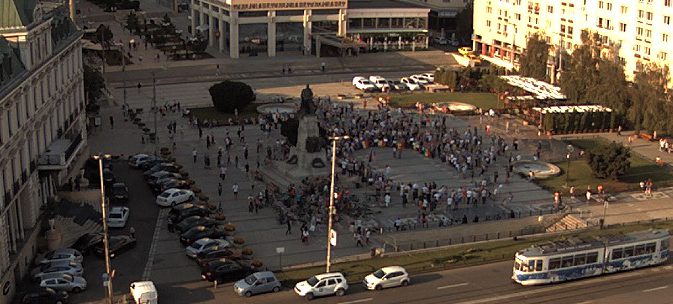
{"x":465,"y":20}
{"x":652,"y":103}
{"x":104,"y":35}
{"x":199,"y":44}
{"x":582,"y":73}
{"x":611,"y":88}
{"x":610,"y":161}
{"x":533,"y":61}
{"x":93,"y":83}
{"x":231,"y":95}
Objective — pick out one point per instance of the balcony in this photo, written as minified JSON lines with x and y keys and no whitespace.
{"x":60,"y":153}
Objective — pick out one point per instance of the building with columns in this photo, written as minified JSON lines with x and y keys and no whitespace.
{"x":443,"y":13}
{"x":42,"y":125}
{"x":318,"y":27}
{"x":641,"y":31}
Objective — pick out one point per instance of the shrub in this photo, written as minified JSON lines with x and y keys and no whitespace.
{"x":239,"y":240}
{"x":257,"y":263}
{"x":610,"y":161}
{"x":247,"y":251}
{"x":230,"y":95}
{"x":196,"y":190}
{"x":290,"y":129}
{"x":230,"y":227}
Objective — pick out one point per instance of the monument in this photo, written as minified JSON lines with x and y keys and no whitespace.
{"x":308,"y":157}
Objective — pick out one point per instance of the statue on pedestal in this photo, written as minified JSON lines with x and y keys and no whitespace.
{"x":307,"y":101}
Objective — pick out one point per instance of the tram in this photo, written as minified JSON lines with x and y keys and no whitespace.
{"x":575,"y":258}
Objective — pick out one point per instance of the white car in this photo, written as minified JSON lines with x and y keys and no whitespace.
{"x":63,"y":282}
{"x":71,"y":268}
{"x":363,"y":84}
{"x":411,"y":84}
{"x":381,"y":85}
{"x":65,"y":254}
{"x":429,"y":77}
{"x":117,"y":217}
{"x":322,"y":285}
{"x":391,"y":276}
{"x":136,"y":160}
{"x":172,"y":197}
{"x":420,"y":79}
{"x":203,"y":244}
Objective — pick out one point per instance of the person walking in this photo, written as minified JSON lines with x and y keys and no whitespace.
{"x":132,"y":232}
{"x":289,"y":227}
{"x":358,"y":240}
{"x":223,"y":172}
{"x":112,"y":122}
{"x":368,"y":234}
{"x":219,"y":189}
{"x":235,"y":189}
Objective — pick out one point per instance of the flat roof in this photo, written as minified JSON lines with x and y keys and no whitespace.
{"x":381,"y":4}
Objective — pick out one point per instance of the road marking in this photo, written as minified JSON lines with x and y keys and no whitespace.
{"x":357,"y":301}
{"x":452,"y":286}
{"x":655,"y":289}
{"x":163,"y":213}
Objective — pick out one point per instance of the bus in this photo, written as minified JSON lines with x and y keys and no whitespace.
{"x":576,"y":258}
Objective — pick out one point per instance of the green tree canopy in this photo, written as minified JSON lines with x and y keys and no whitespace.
{"x":533,"y":61}
{"x":228,"y":96}
{"x":93,"y":83}
{"x":652,"y":104}
{"x":610,"y":161}
{"x":582,"y":74}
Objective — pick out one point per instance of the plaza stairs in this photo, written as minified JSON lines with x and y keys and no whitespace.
{"x":567,"y":222}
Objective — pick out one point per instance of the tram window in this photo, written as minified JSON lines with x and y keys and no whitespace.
{"x":628,"y":251}
{"x":538,"y":265}
{"x":640,"y":249}
{"x":592,"y":257}
{"x":554,"y":263}
{"x":651,"y":248}
{"x":567,"y":261}
{"x":664,"y":245}
{"x":531,"y":265}
{"x":617,"y":253}
{"x":517,"y":266}
{"x":580,"y":259}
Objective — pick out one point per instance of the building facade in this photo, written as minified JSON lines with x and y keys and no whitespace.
{"x":640,"y":29}
{"x":442,"y":19}
{"x":42,"y":126}
{"x":276,"y":26}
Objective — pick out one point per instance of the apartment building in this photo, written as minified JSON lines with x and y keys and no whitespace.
{"x":640,"y":29}
{"x":42,"y":126}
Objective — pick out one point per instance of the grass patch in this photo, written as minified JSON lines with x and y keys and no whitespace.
{"x":210,"y":113}
{"x":454,"y":257}
{"x":481,"y":100}
{"x":581,"y":174}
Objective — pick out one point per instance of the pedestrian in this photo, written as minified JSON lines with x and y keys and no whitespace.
{"x":223,"y":172}
{"x":289,"y":227}
{"x":304,"y":235}
{"x":217,"y":71}
{"x":112,"y":122}
{"x":368,"y":234}
{"x":235,"y":189}
{"x":397,"y":224}
{"x":588,"y":195}
{"x":219,"y":189}
{"x":132,"y":232}
{"x":322,"y":66}
{"x":194,"y":154}
{"x":251,"y":206}
{"x":358,"y":240}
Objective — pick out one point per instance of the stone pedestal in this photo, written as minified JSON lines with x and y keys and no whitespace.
{"x":54,"y":239}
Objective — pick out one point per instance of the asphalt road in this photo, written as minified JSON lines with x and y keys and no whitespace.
{"x":475,"y":285}
{"x":128,"y":265}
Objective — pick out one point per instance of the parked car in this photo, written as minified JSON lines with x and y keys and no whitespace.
{"x":64,"y":282}
{"x":87,"y":242}
{"x":215,"y":253}
{"x":397,"y":85}
{"x":151,"y":162}
{"x":180,"y":212}
{"x":137,"y":159}
{"x":420,"y":79}
{"x":363,"y":84}
{"x":170,"y":167}
{"x":454,"y":42}
{"x":144,"y":292}
{"x":108,"y":177}
{"x":429,"y":77}
{"x":391,"y":276}
{"x":440,"y":40}
{"x":381,"y":85}
{"x":322,"y":285}
{"x":172,"y":197}
{"x":154,"y":179}
{"x":68,"y":267}
{"x":193,"y":221}
{"x":256,"y":283}
{"x":118,"y":244}
{"x":170,"y":182}
{"x":411,"y":84}
{"x":117,"y":217}
{"x":45,"y":296}
{"x":204,"y":244}
{"x":190,"y":236}
{"x":64,"y":254}
{"x":225,"y":270}
{"x":465,"y":51}
{"x":119,"y":193}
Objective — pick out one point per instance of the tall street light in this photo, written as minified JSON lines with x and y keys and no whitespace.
{"x":570,"y":150}
{"x":331,"y":202}
{"x":106,"y":240}
{"x":155,"y":108}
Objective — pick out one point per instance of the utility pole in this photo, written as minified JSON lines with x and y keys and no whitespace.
{"x":124,"y":72}
{"x":331,"y":203}
{"x":106,"y":239}
{"x":155,"y":109}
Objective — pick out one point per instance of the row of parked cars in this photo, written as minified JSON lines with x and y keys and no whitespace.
{"x":335,"y":283}
{"x":379,"y":84}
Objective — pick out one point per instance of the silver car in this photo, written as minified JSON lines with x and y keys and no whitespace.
{"x":65,"y":254}
{"x":256,"y":283}
{"x":63,"y":282}
{"x":67,"y":267}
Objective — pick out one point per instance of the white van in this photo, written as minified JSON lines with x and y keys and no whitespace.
{"x":144,"y":292}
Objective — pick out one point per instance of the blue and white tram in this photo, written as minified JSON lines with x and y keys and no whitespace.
{"x":575,"y":259}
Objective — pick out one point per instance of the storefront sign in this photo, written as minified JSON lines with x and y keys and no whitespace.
{"x":254,"y":5}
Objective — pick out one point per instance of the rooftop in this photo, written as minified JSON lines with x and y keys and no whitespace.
{"x":380,"y":4}
{"x":17,"y":13}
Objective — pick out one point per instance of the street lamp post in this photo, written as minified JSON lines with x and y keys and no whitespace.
{"x":331,"y":202}
{"x":570,"y":150}
{"x":106,"y":240}
{"x":155,"y":110}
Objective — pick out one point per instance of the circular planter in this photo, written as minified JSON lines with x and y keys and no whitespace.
{"x":239,"y":240}
{"x":230,"y":227}
{"x":247,"y":251}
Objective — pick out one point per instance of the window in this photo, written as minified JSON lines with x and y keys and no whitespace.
{"x":554,"y":263}
{"x":609,"y":6}
{"x":664,"y":37}
{"x":622,"y":27}
{"x":652,"y":247}
{"x":550,"y":9}
{"x":667,"y":2}
{"x":664,"y":245}
{"x":531,"y":265}
{"x":331,"y":282}
{"x":628,"y":251}
{"x":592,"y":257}
{"x":624,"y":9}
{"x":617,"y":253}
{"x":667,"y":19}
{"x":321,"y":284}
{"x":580,"y":259}
{"x":567,"y":261}
{"x":538,"y":265}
